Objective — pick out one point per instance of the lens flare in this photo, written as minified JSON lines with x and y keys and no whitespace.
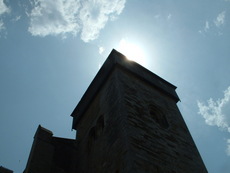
{"x":132,"y":51}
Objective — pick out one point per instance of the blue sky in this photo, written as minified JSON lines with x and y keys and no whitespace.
{"x":51,"y":50}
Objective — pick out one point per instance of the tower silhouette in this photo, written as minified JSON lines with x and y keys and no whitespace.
{"x":127,"y":122}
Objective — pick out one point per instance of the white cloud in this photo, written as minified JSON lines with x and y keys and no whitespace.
{"x":169,"y":16}
{"x":206,"y":28}
{"x":95,"y":14}
{"x":220,"y":19}
{"x":17,"y":18}
{"x":228,"y":147}
{"x":60,"y":17}
{"x":218,"y":22}
{"x":157,"y":16}
{"x":101,"y":49}
{"x":213,"y":111}
{"x":3,"y":9}
{"x":1,"y":25}
{"x":216,"y":113}
{"x":49,"y":17}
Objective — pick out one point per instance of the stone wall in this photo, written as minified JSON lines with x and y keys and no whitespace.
{"x":159,"y":138}
{"x":51,"y":154}
{"x":132,"y":127}
{"x":101,"y":135}
{"x":5,"y":170}
{"x":127,"y":122}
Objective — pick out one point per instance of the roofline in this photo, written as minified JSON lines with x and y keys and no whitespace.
{"x":114,"y":59}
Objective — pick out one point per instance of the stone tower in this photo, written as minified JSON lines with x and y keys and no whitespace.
{"x":128,"y":122}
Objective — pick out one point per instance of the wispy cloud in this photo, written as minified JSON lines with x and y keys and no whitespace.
{"x":157,"y":16}
{"x":60,"y":17}
{"x":3,"y":9}
{"x":169,"y":16}
{"x":17,"y":18}
{"x":206,"y":27}
{"x":217,"y":23}
{"x":1,"y":25}
{"x":228,"y":147}
{"x":220,"y":19}
{"x":216,"y":113}
{"x":101,"y":49}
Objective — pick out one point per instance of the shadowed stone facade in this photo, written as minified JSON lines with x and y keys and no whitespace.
{"x":51,"y":154}
{"x":127,"y":122}
{"x":5,"y":170}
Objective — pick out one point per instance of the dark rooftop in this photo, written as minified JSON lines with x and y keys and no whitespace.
{"x":117,"y":59}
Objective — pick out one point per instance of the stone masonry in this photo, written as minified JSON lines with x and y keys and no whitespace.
{"x":127,"y":122}
{"x":51,"y":154}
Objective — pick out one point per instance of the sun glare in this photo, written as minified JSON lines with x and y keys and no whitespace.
{"x":132,"y":51}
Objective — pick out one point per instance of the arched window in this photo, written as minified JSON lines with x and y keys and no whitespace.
{"x":91,"y":138}
{"x":96,"y":131}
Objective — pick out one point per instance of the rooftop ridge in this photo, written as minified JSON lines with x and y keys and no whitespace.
{"x":114,"y":59}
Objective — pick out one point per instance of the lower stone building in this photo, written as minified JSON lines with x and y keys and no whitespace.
{"x":5,"y":170}
{"x":127,"y":122}
{"x":51,"y":154}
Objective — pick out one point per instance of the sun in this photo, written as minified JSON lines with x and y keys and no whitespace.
{"x":132,"y":51}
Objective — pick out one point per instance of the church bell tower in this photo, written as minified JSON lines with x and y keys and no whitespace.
{"x":128,"y":122}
